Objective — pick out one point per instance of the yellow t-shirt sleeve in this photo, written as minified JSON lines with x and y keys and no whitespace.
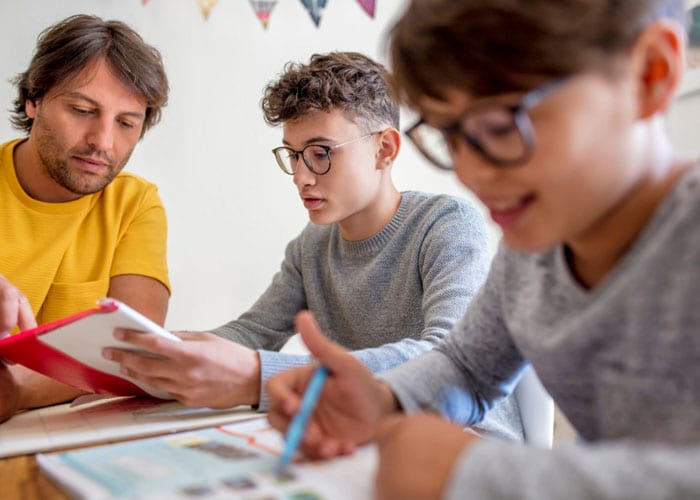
{"x":142,"y":248}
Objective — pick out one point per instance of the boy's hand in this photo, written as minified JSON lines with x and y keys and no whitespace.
{"x":417,"y":454}
{"x":202,"y":371}
{"x":351,"y":403}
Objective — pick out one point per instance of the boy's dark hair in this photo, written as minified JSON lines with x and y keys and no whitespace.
{"x":66,"y":48}
{"x":487,"y":47}
{"x":348,"y":81}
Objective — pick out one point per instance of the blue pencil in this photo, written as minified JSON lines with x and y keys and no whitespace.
{"x":296,"y":428}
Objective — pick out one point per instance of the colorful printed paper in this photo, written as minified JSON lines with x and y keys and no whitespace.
{"x":231,"y":461}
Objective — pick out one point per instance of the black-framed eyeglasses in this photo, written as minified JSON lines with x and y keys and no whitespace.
{"x":317,"y":157}
{"x":502,"y":134}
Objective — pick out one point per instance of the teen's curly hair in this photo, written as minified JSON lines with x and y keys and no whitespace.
{"x":348,"y":81}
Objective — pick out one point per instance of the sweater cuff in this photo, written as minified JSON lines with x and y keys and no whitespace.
{"x":273,"y":362}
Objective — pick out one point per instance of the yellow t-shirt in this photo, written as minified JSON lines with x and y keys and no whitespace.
{"x":62,"y":255}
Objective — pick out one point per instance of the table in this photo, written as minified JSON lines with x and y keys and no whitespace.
{"x":21,"y":479}
{"x":100,"y":421}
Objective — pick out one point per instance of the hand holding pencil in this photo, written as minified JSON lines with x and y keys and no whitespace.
{"x":349,"y":406}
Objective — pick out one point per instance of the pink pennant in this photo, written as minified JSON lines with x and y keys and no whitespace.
{"x":368,"y":6}
{"x":263,"y":9}
{"x":144,"y":2}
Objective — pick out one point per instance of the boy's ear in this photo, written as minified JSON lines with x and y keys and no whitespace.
{"x":389,"y":145}
{"x":660,"y":53}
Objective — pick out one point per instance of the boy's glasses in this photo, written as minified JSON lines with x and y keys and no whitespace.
{"x":503,"y":135}
{"x":317,"y":157}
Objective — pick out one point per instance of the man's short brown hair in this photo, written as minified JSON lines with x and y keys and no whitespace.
{"x":66,"y":48}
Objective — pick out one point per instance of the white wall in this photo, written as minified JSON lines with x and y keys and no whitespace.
{"x":231,"y":210}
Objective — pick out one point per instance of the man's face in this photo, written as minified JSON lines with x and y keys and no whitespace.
{"x":84,"y":131}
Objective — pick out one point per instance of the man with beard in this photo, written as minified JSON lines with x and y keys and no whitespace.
{"x":73,"y":227}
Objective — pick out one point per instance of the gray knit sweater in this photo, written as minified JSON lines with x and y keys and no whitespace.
{"x":387,"y":298}
{"x":621,"y":360}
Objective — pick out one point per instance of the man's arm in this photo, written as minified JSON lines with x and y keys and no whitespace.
{"x":146,"y":295}
{"x":22,"y":388}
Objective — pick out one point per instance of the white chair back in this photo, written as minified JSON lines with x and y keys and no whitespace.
{"x":536,"y":410}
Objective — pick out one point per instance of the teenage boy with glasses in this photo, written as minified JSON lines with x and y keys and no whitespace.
{"x":385,"y":272}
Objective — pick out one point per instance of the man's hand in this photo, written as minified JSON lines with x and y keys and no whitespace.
{"x":22,"y":389}
{"x":14,"y":309}
{"x":417,"y":454}
{"x":9,"y":393}
{"x":203,"y":370}
{"x":350,"y":405}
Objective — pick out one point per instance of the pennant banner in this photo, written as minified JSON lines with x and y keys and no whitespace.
{"x":315,"y":8}
{"x":367,"y":6}
{"x":263,"y":9}
{"x":205,"y":6}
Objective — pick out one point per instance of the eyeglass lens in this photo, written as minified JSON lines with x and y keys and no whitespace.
{"x":493,"y":132}
{"x":316,"y":158}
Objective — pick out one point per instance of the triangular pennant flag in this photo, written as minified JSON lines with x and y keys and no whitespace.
{"x":144,"y":2}
{"x":315,"y":7}
{"x":205,"y":6}
{"x":263,"y":9}
{"x":368,"y":6}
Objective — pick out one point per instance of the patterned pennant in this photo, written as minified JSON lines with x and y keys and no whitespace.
{"x":205,"y":6}
{"x":315,"y":8}
{"x":368,"y":6}
{"x":263,"y":9}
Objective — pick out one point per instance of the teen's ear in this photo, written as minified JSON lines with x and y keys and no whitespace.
{"x":389,"y":145}
{"x":660,"y":56}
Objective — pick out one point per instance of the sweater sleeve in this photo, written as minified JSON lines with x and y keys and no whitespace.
{"x":453,"y":264}
{"x":608,"y":470}
{"x":470,"y":376}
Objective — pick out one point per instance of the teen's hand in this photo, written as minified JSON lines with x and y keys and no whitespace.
{"x":203,"y":370}
{"x":351,"y":403}
{"x":14,"y":309}
{"x":417,"y":454}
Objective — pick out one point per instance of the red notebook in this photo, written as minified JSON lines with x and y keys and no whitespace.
{"x":70,"y":349}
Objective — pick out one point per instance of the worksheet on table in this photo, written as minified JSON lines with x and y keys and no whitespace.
{"x":238,"y":460}
{"x":105,"y":420}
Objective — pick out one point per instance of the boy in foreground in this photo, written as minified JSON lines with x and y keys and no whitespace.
{"x":552,"y":113}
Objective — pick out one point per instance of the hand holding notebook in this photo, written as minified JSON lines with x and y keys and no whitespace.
{"x":70,"y":349}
